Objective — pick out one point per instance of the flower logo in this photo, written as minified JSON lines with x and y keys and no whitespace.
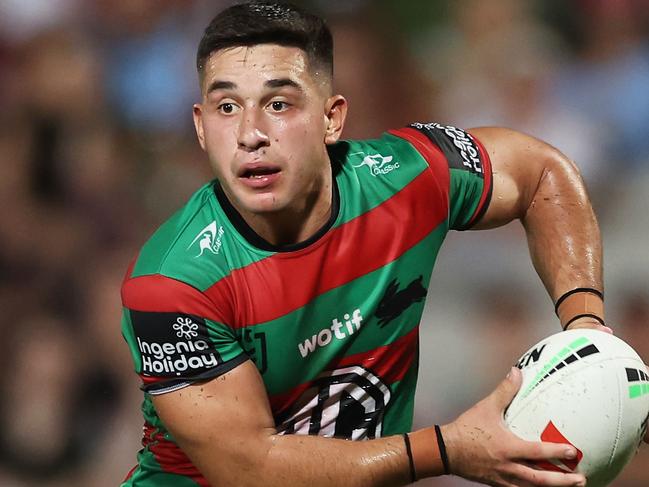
{"x":185,"y":328}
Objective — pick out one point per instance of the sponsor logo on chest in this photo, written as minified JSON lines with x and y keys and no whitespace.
{"x":338,"y":330}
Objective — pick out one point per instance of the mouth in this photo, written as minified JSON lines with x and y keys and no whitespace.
{"x":259,"y":175}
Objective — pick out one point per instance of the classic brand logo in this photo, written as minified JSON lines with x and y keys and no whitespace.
{"x":377,"y":163}
{"x":209,"y":238}
{"x":165,"y":358}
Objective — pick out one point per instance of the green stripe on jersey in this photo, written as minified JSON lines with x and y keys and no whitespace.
{"x":198,"y":245}
{"x":466,"y":190}
{"x":399,"y":413}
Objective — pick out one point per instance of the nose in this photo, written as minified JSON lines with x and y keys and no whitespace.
{"x":251,"y":136}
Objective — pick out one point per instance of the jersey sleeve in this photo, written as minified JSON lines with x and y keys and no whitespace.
{"x":175,"y":333}
{"x":469,"y":171}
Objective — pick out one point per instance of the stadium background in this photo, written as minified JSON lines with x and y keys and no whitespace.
{"x":97,"y":148}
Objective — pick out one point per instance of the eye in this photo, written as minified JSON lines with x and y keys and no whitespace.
{"x":279,"y":106}
{"x":227,"y":108}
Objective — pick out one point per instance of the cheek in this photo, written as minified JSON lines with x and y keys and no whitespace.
{"x":219,"y":134}
{"x":305,"y":138}
{"x":220,"y":164}
{"x":221,"y":144}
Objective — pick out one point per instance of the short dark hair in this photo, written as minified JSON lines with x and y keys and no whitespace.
{"x":265,"y":22}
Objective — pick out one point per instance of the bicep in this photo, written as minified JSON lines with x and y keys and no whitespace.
{"x":221,"y":424}
{"x":519,"y":162}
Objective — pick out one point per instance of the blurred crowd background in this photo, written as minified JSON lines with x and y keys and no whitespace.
{"x":97,"y":148}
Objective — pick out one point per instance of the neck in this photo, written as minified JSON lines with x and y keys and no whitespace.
{"x":296,"y":223}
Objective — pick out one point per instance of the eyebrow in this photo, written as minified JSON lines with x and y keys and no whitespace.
{"x":271,"y":83}
{"x":221,"y":85}
{"x":281,"y":82}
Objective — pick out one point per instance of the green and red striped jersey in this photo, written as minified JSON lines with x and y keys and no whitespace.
{"x":331,"y":323}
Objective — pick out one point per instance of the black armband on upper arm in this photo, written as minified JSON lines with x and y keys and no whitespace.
{"x":458,"y":146}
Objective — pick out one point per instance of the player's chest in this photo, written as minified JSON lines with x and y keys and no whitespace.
{"x":312,"y":321}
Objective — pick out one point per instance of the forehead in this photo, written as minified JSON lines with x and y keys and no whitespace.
{"x":257,"y":62}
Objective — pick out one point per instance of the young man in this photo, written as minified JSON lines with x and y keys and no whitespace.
{"x":275,"y":317}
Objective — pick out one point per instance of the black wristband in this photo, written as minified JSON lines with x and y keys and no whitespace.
{"x":585,"y":315}
{"x":413,"y":473}
{"x":577,"y":290}
{"x":442,"y":450}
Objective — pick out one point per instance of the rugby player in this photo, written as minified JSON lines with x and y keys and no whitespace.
{"x":275,"y":317}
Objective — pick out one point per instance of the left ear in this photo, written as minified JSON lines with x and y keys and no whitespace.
{"x":335,"y":115}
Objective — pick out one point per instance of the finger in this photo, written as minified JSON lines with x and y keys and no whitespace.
{"x":524,"y":475}
{"x":537,"y":450}
{"x":606,"y":329}
{"x":590,"y":325}
{"x":503,"y":395}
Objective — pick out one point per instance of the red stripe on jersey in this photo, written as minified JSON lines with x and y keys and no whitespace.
{"x":389,"y":363}
{"x":169,"y":456}
{"x":488,"y":181}
{"x":281,"y":283}
{"x":147,"y":379}
{"x":162,"y":294}
{"x":432,"y":153}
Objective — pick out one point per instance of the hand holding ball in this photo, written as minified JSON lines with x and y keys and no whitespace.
{"x":586,"y":388}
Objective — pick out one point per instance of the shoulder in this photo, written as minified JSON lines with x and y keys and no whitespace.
{"x":180,"y":262}
{"x":389,"y":156}
{"x":186,"y":245}
{"x":417,"y":146}
{"x":440,"y":146}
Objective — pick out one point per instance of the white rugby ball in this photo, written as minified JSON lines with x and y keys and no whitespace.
{"x":586,"y":388}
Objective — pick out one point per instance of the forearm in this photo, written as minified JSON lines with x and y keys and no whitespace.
{"x":314,"y":461}
{"x":562,"y":230}
{"x":299,"y":460}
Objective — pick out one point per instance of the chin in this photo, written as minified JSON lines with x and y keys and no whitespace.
{"x":266,"y":203}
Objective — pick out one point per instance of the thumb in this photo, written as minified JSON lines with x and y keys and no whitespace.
{"x":503,"y":395}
